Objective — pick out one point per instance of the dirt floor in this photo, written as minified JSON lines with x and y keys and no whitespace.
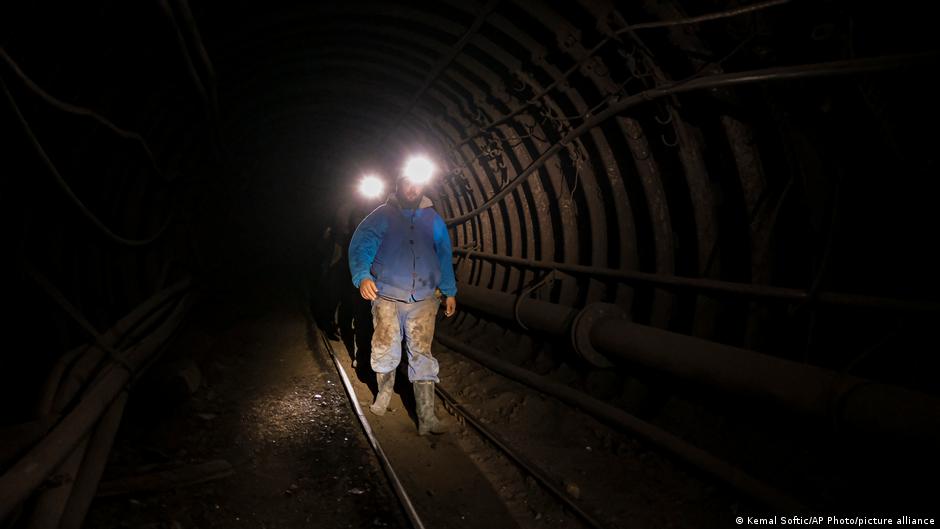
{"x":451,"y":478}
{"x":619,"y":481}
{"x":616,"y":479}
{"x":269,"y":404}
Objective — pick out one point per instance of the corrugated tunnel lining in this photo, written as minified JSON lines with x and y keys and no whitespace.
{"x":647,"y":189}
{"x":471,"y":90}
{"x":574,"y":134}
{"x":564,"y":143}
{"x":588,"y":158}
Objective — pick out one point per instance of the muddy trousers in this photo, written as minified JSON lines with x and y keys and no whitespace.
{"x":413,"y":321}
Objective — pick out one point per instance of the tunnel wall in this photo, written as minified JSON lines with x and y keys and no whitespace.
{"x":820,"y":184}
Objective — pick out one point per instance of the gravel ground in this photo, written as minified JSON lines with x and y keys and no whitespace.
{"x":269,"y":404}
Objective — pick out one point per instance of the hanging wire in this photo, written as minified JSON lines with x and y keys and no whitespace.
{"x":667,"y":143}
{"x":863,"y":356}
{"x":56,"y":295}
{"x":82,"y":111}
{"x":562,"y":123}
{"x":551,"y":275}
{"x":663,"y":122}
{"x":775,"y":74}
{"x":577,"y":158}
{"x":591,"y":53}
{"x":68,"y":190}
{"x":703,"y":18}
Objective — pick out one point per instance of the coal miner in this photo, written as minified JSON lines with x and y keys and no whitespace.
{"x":400,"y":259}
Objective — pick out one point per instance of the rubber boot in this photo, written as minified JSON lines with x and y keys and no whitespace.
{"x":424,"y":400}
{"x":386,"y":382}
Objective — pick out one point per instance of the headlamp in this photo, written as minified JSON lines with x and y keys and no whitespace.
{"x":418,"y":170}
{"x":371,"y":186}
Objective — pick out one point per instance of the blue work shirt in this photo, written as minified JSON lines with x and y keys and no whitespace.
{"x":407,"y":252}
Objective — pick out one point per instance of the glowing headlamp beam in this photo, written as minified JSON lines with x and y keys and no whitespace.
{"x":371,"y":186}
{"x":418,"y":170}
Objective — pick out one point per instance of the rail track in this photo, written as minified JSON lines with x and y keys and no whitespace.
{"x":466,"y":417}
{"x":568,"y":501}
{"x":404,"y":499}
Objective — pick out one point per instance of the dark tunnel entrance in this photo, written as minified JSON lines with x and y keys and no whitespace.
{"x":693,"y":243}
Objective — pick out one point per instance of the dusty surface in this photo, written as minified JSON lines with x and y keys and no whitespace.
{"x":271,"y":405}
{"x":619,"y":481}
{"x":446,"y":487}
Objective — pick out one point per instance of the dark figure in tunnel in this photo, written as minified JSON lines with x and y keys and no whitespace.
{"x":354,"y":317}
{"x":400,"y":257}
{"x":341,"y":311}
{"x":325,"y":290}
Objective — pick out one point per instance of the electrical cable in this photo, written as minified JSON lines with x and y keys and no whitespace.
{"x":590,"y":54}
{"x":703,"y":18}
{"x":68,"y":190}
{"x":780,"y":73}
{"x":82,"y":111}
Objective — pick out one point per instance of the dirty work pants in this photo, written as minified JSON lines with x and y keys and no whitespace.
{"x":415,"y":321}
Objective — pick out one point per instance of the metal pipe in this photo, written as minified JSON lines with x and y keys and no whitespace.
{"x":859,"y":403}
{"x":54,"y":378}
{"x":96,"y":457}
{"x":18,"y":438}
{"x":712,"y":285}
{"x":80,"y":466}
{"x":126,"y":329}
{"x":688,"y":453}
{"x":51,"y":503}
{"x":29,"y":472}
{"x":863,"y":404}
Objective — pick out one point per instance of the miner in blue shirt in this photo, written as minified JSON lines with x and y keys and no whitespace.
{"x":400,"y":257}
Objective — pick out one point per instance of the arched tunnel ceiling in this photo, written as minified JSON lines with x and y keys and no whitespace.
{"x":328,"y":58}
{"x":263,"y":114}
{"x":720,"y":175}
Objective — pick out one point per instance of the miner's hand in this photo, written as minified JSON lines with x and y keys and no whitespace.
{"x":368,"y":290}
{"x":450,"y":306}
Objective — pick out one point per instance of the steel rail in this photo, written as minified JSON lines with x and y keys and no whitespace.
{"x":403,"y":499}
{"x":696,"y":457}
{"x":528,"y":466}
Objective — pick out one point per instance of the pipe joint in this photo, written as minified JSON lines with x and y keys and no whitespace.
{"x":584,"y":322}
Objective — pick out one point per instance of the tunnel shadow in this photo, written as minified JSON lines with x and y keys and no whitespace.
{"x":355,"y":330}
{"x":340,"y":314}
{"x":404,"y":388}
{"x":312,"y":334}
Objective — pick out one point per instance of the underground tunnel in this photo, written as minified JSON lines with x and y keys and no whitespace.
{"x":690,"y":246}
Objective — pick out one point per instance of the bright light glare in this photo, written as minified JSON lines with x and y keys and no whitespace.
{"x":371,"y":186}
{"x":419,"y":170}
